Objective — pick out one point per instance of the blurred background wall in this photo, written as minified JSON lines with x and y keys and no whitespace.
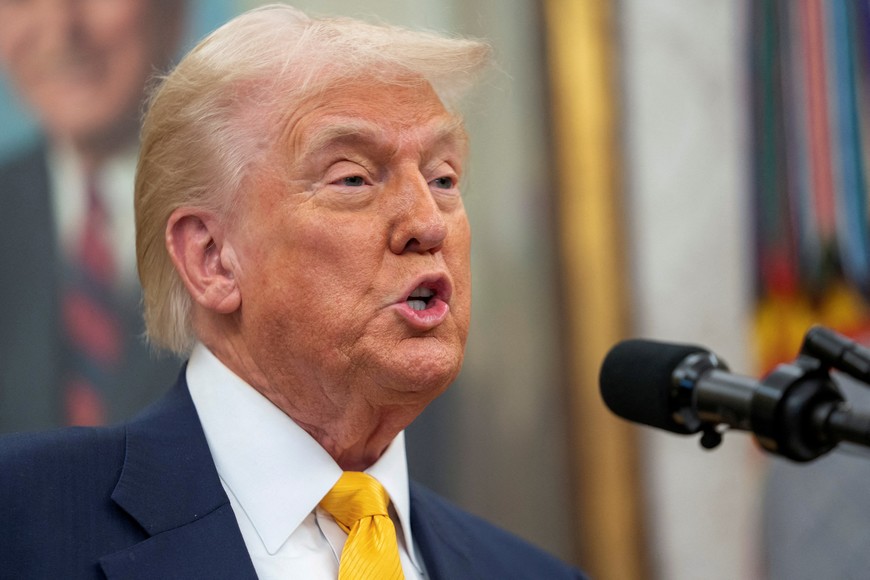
{"x":687,"y":162}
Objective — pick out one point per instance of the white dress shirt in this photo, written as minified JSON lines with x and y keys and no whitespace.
{"x":115,"y":181}
{"x":275,"y":474}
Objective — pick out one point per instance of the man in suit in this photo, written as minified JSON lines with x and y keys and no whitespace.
{"x":81,"y":67}
{"x":302,"y":239}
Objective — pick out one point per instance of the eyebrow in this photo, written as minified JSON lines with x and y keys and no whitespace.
{"x":349,"y":130}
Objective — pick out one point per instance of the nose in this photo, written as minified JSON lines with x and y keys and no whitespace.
{"x":419,"y":225}
{"x":61,"y":22}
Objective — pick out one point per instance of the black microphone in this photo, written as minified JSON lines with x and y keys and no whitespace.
{"x":796,"y":411}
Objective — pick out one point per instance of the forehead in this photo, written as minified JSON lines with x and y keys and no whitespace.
{"x":373,"y":114}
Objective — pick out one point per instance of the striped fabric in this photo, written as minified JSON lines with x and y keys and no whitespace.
{"x":92,"y":328}
{"x":810,"y":96}
{"x":359,"y":505}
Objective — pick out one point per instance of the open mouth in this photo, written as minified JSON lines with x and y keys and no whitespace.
{"x":420,"y":298}
{"x":427,"y":303}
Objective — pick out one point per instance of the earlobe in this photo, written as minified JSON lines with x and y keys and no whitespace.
{"x":203,"y":259}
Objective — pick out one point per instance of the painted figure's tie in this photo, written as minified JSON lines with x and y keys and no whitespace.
{"x":93,"y":330}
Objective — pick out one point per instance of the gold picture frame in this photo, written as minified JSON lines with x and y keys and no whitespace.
{"x":581,"y":50}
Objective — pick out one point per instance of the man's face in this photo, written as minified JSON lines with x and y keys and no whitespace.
{"x":354,"y":250}
{"x":82,"y":65}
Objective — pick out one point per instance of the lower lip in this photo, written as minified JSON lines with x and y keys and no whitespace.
{"x":434,"y":314}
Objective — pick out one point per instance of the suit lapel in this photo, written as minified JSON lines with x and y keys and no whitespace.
{"x":170,"y":486}
{"x":441,"y":541}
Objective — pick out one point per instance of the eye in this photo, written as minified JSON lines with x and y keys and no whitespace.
{"x":445,"y":182}
{"x":352,"y":181}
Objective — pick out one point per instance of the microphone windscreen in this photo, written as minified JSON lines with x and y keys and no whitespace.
{"x":636,"y":381}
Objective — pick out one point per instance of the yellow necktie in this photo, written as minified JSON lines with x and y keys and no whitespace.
{"x":359,"y":505}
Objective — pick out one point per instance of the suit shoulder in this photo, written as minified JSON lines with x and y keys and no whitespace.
{"x":56,"y":491}
{"x":23,"y":165}
{"x":496,"y":552}
{"x":25,"y":203}
{"x":71,"y":458}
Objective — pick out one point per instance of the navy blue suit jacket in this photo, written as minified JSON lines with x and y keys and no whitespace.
{"x":143,"y":500}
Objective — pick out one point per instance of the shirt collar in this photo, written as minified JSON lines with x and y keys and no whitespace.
{"x":276,"y":470}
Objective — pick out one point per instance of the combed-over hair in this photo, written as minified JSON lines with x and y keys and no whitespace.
{"x":216,"y":115}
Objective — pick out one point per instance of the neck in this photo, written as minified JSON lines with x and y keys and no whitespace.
{"x":353,"y":430}
{"x":356,"y":445}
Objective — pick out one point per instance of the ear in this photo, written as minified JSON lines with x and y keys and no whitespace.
{"x":204,"y":261}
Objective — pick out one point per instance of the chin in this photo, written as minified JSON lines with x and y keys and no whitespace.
{"x":425,"y":372}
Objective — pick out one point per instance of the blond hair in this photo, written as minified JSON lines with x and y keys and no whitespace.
{"x":211,"y":120}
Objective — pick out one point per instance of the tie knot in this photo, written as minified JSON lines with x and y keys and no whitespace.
{"x":356,"y":496}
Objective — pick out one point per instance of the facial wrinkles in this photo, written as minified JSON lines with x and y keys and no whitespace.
{"x":257,"y":254}
{"x":338,"y":401}
{"x":313,"y":127}
{"x":374,"y":294}
{"x":405,"y":144}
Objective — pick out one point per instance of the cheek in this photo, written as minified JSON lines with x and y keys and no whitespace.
{"x":314,"y":265}
{"x":458,"y":251}
{"x":344,"y":244}
{"x":457,"y":248}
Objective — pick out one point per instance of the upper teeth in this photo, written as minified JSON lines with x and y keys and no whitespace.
{"x":419,"y":297}
{"x":422,"y":293}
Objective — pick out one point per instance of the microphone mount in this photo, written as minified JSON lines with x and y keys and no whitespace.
{"x":795,"y":411}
